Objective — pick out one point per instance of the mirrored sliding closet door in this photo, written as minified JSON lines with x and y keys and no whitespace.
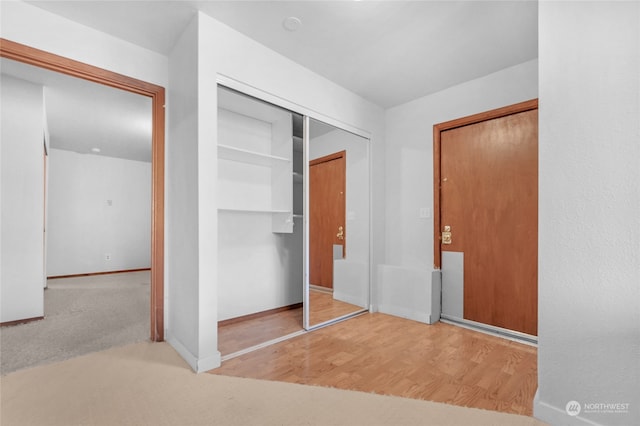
{"x":293,"y":223}
{"x":338,"y":223}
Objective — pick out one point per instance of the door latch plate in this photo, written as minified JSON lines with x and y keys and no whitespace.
{"x":446,"y":235}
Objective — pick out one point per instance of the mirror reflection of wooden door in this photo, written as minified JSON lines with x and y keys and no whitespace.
{"x":327,"y":187}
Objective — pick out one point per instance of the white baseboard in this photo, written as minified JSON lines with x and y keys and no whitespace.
{"x":348,"y":298}
{"x":402,"y":312}
{"x":183,"y":352}
{"x":197,"y":365}
{"x":209,"y":363}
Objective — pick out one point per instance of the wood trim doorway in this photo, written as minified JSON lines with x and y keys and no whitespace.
{"x":448,"y":125}
{"x":46,"y":60}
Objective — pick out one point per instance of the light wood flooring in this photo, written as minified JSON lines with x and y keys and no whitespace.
{"x":245,"y":334}
{"x":323,"y":307}
{"x":393,"y":356}
{"x":241,"y":335}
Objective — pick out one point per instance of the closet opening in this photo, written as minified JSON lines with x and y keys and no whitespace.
{"x":266,"y":206}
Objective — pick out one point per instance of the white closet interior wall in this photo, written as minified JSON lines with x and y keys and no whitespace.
{"x":260,"y":243}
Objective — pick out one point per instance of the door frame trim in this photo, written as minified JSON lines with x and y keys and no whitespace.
{"x":32,"y":56}
{"x":452,"y":124}
{"x":327,"y":158}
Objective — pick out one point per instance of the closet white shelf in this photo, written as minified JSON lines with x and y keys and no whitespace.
{"x":297,"y":177}
{"x":235,"y":209}
{"x":245,"y":156}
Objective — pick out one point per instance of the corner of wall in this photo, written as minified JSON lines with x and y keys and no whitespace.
{"x":181,"y":197}
{"x":196,"y":364}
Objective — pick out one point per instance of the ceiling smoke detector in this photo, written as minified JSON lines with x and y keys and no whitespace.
{"x":292,"y":23}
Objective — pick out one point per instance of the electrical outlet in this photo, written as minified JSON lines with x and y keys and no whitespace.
{"x":424,"y":213}
{"x":107,"y":256}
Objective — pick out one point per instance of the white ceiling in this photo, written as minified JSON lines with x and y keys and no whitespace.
{"x":82,"y":115}
{"x":389,"y":52}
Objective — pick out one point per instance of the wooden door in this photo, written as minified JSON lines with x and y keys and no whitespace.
{"x":327,"y":194}
{"x":489,"y":199}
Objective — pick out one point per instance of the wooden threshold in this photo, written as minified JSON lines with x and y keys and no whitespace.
{"x":258,"y":314}
{"x":20,"y":321}
{"x":90,"y":274}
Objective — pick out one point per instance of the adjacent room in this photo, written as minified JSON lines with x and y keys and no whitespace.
{"x":95,"y":210}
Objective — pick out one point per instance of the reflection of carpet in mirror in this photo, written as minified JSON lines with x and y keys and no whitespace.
{"x":323,"y":307}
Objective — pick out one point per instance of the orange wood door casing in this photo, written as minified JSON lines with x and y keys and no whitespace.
{"x":489,"y":198}
{"x":327,"y":192}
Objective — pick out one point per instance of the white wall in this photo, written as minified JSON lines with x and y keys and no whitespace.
{"x":409,"y":154}
{"x":183,"y":288}
{"x":256,"y":267}
{"x":22,"y":195}
{"x":589,"y":236}
{"x":97,"y":206}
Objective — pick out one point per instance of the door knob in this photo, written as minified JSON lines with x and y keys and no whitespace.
{"x":340,"y":233}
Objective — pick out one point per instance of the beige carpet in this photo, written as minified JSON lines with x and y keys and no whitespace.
{"x":82,"y":315}
{"x":149,"y":384}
